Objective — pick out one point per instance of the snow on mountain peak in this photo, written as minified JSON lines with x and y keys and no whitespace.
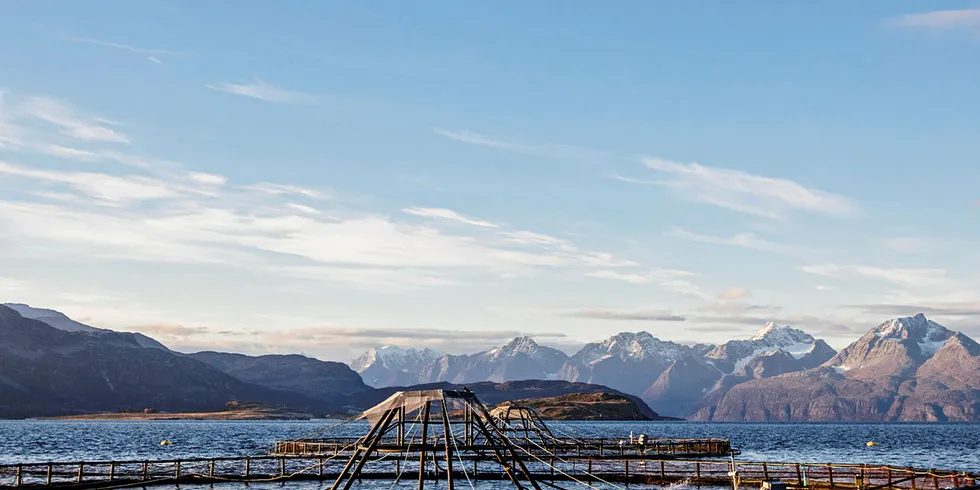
{"x":774,"y":335}
{"x":392,"y":356}
{"x":770,"y":339}
{"x":915,"y":327}
{"x":929,"y":335}
{"x":520,"y":345}
{"x":766,"y":330}
{"x":631,"y":346}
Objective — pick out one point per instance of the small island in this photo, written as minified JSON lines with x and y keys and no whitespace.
{"x":233,"y":411}
{"x":588,"y":406}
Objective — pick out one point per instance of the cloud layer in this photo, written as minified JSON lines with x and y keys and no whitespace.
{"x":746,"y":193}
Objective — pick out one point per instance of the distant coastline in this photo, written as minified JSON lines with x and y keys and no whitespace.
{"x":234,"y":411}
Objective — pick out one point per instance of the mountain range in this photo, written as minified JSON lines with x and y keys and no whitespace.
{"x":672,"y":378}
{"x":905,"y":369}
{"x":68,"y":368}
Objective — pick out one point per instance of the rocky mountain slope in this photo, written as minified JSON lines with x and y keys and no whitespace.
{"x":673,"y":378}
{"x":906,"y":369}
{"x":294,"y":373}
{"x":521,"y":358}
{"x":628,"y":361}
{"x":389,"y":365}
{"x":60,"y":321}
{"x":694,"y":382}
{"x":47,"y":371}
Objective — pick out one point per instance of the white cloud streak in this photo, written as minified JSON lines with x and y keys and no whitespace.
{"x":906,"y":277}
{"x":286,"y":190}
{"x":967,"y":19}
{"x":59,"y":114}
{"x":670,"y":279}
{"x":448,"y":214}
{"x":747,"y":193}
{"x":122,"y":47}
{"x":109,"y":188}
{"x":553,"y":151}
{"x":744,"y":240}
{"x":261,"y":90}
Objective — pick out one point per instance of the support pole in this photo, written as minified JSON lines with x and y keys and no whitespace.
{"x":447,"y":435}
{"x":385,"y":419}
{"x":401,"y":426}
{"x":508,"y":470}
{"x":425,"y":434}
{"x":510,"y":447}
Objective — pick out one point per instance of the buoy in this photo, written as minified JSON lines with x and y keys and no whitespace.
{"x":165,"y":442}
{"x":872,"y":444}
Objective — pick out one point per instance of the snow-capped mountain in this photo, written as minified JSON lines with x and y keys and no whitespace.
{"x":61,"y":321}
{"x":894,"y":348}
{"x":519,"y":359}
{"x":696,"y":381}
{"x":734,"y":356}
{"x":628,"y":361}
{"x":390,"y":365}
{"x":629,"y":346}
{"x":905,"y":369}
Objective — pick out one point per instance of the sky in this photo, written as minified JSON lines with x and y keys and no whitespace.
{"x":323,"y":177}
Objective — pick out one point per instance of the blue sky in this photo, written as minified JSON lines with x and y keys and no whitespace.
{"x":322,"y":177}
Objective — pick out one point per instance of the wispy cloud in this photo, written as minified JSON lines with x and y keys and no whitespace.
{"x":443,"y":213}
{"x":729,"y":307}
{"x":200,"y":218}
{"x":261,"y":90}
{"x":123,"y":47}
{"x":746,"y":193}
{"x":965,"y":309}
{"x":670,"y":279}
{"x":283,"y":189}
{"x":813,"y":324}
{"x":641,"y":315}
{"x":967,"y":19}
{"x":154,"y":59}
{"x":549,"y":150}
{"x":207,"y":179}
{"x":108,"y":188}
{"x":744,"y":240}
{"x":906,"y":277}
{"x":60,"y":114}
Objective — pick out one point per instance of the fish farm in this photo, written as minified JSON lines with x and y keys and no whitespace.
{"x":444,"y":438}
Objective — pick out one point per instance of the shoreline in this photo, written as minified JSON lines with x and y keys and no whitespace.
{"x":226,"y":415}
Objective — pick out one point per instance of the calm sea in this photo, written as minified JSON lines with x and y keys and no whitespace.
{"x":944,"y":446}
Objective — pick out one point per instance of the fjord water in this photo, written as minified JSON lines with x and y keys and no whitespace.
{"x":944,"y":446}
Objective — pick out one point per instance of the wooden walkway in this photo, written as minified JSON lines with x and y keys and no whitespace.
{"x":561,"y":447}
{"x":599,"y":472}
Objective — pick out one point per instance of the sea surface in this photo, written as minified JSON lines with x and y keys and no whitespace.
{"x":942,"y":446}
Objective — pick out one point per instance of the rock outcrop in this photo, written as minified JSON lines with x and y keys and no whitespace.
{"x":587,"y":406}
